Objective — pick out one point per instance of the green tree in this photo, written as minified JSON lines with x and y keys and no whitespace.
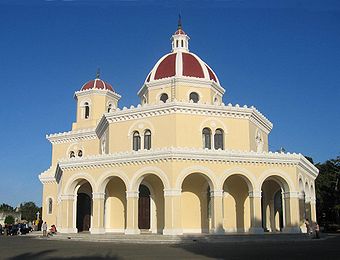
{"x":9,"y":220}
{"x":327,"y":187}
{"x":6,"y":208}
{"x":29,"y":210}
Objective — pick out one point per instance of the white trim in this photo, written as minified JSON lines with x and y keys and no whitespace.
{"x":72,"y":136}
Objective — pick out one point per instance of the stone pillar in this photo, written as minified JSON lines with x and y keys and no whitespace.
{"x":313,"y":210}
{"x":172,"y":213}
{"x":255,"y":212}
{"x":308,"y":207}
{"x":68,"y":213}
{"x":97,"y":225}
{"x":302,"y":212}
{"x":291,"y":202}
{"x":217,"y":211}
{"x":132,"y":213}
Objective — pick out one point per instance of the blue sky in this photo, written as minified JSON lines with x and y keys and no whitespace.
{"x":283,"y":57}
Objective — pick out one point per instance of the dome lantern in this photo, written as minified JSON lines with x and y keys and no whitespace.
{"x":180,"y":40}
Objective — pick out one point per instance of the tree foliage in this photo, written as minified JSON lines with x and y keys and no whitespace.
{"x":327,"y":187}
{"x":29,"y":211}
{"x":9,"y":220}
{"x":6,"y":208}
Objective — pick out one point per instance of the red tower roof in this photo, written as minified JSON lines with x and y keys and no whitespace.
{"x":97,"y":84}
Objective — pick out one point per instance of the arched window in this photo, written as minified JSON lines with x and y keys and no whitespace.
{"x":80,"y":153}
{"x":182,"y":43}
{"x":50,"y":206}
{"x":109,"y":108}
{"x":136,"y":141}
{"x":206,"y":137}
{"x":218,"y":139}
{"x":194,"y":97}
{"x":87,"y":110}
{"x":164,"y":97}
{"x":147,"y":139}
{"x":72,"y":155}
{"x":177,"y":43}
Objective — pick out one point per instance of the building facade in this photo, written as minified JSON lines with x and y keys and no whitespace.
{"x":180,"y":162}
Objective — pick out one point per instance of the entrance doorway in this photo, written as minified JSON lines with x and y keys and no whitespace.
{"x":144,"y":207}
{"x":83,"y":212}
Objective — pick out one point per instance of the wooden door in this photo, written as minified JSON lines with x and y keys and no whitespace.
{"x":83,"y":212}
{"x":144,"y":208}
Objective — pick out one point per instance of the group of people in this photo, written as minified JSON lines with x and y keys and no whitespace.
{"x":52,"y":230}
{"x":15,"y":229}
{"x":313,"y":229}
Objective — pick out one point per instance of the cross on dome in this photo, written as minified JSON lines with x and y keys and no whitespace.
{"x":180,"y":40}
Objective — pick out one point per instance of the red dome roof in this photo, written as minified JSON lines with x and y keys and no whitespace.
{"x":97,"y":84}
{"x":181,"y":64}
{"x":180,"y":31}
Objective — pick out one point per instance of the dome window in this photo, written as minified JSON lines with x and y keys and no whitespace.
{"x":164,"y":97}
{"x":80,"y":153}
{"x":136,"y":141}
{"x":218,"y":139}
{"x":194,"y":97}
{"x":206,"y":138}
{"x":147,"y":139}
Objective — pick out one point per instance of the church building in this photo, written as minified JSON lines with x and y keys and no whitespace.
{"x":180,"y":162}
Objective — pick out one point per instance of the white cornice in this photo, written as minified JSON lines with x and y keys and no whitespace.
{"x":48,"y":176}
{"x":190,"y":108}
{"x":103,"y":92}
{"x":188,"y":154}
{"x":72,"y":136}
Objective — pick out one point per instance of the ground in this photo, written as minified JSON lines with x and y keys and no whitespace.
{"x":24,"y":247}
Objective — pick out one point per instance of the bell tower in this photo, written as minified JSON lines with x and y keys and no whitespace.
{"x":95,"y":98}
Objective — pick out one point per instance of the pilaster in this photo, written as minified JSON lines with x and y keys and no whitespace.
{"x":132,"y":213}
{"x":172,"y":212}
{"x":255,"y":212}
{"x":98,"y":213}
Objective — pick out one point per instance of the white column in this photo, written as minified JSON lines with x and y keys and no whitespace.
{"x":255,"y":212}
{"x":68,"y":213}
{"x":97,"y":225}
{"x":313,"y":209}
{"x":132,"y":212}
{"x":217,"y":211}
{"x":291,"y":202}
{"x":172,"y":212}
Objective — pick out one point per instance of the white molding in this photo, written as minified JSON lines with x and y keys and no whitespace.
{"x":102,"y":92}
{"x":171,"y":107}
{"x":255,"y":194}
{"x":98,"y":195}
{"x":184,"y":154}
{"x":172,"y":192}
{"x":132,"y":194}
{"x":72,"y":136}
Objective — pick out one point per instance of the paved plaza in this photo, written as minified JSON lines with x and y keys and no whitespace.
{"x":196,"y":247}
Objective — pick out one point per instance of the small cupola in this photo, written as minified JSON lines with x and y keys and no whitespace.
{"x":180,"y":40}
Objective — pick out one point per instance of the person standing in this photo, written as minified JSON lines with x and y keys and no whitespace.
{"x":317,"y":231}
{"x":44,"y":228}
{"x":307,"y":226}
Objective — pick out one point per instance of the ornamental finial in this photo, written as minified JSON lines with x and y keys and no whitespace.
{"x":98,"y":73}
{"x":179,"y":22}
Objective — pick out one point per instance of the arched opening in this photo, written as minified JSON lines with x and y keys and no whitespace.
{"x":272,"y":203}
{"x":195,"y":204}
{"x":109,"y":107}
{"x":115,"y":206}
{"x":307,"y":202}
{"x":151,"y":204}
{"x":236,"y":204}
{"x":206,"y":138}
{"x":164,"y":97}
{"x":84,"y":207}
{"x":218,"y":139}
{"x":136,"y":141}
{"x":72,"y":154}
{"x":147,"y":139}
{"x":194,"y":97}
{"x":87,"y":110}
{"x":302,"y":206}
